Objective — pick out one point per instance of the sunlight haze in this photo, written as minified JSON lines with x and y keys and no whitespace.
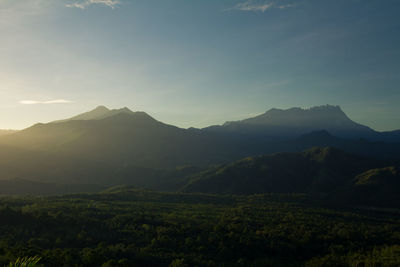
{"x":198,"y":63}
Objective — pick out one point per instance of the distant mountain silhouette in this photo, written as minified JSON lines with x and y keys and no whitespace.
{"x":101,"y":112}
{"x":297,"y":121}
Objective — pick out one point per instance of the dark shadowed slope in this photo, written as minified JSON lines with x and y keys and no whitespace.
{"x":377,"y":187}
{"x":318,"y":170}
{"x":51,"y":167}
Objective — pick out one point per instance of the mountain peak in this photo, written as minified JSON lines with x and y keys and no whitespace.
{"x":124,"y":110}
{"x":314,"y":116}
{"x":322,"y":108}
{"x":297,"y":121}
{"x":104,"y":108}
{"x":100,"y":112}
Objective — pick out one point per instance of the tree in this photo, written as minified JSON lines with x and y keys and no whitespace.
{"x":25,"y":262}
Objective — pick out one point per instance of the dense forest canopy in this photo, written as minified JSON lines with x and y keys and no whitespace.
{"x":128,"y":227}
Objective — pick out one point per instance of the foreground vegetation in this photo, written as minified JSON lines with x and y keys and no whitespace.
{"x":126,"y":227}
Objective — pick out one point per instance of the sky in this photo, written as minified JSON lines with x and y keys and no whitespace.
{"x":198,"y":63}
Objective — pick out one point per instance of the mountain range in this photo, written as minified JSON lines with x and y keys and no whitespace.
{"x":106,"y":147}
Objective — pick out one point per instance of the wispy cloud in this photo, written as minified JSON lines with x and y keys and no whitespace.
{"x":259,"y":6}
{"x":34,"y":102}
{"x":82,"y":4}
{"x":285,"y":6}
{"x":250,"y":6}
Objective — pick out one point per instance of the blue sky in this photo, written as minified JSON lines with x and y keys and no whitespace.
{"x":196,"y":63}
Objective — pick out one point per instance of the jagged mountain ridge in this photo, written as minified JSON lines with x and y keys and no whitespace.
{"x":293,"y":122}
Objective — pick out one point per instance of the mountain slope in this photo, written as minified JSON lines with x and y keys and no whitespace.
{"x":5,"y":132}
{"x":378,"y":187}
{"x":54,"y":136}
{"x":316,"y":170}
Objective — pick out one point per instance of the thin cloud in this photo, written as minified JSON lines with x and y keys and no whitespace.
{"x":257,"y":6}
{"x":34,"y":102}
{"x":250,"y":6}
{"x":286,"y":6}
{"x":83,"y":4}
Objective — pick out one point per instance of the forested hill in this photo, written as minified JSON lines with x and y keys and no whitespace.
{"x":319,"y":170}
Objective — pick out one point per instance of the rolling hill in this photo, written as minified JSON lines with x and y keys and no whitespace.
{"x":378,"y":187}
{"x":341,"y":177}
{"x":318,"y":170}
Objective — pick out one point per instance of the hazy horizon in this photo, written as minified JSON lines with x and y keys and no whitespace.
{"x":194,"y":64}
{"x":185,"y":127}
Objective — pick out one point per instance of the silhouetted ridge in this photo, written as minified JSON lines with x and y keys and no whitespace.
{"x":137,"y":118}
{"x":297,"y":121}
{"x":298,"y":116}
{"x":100,"y":112}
